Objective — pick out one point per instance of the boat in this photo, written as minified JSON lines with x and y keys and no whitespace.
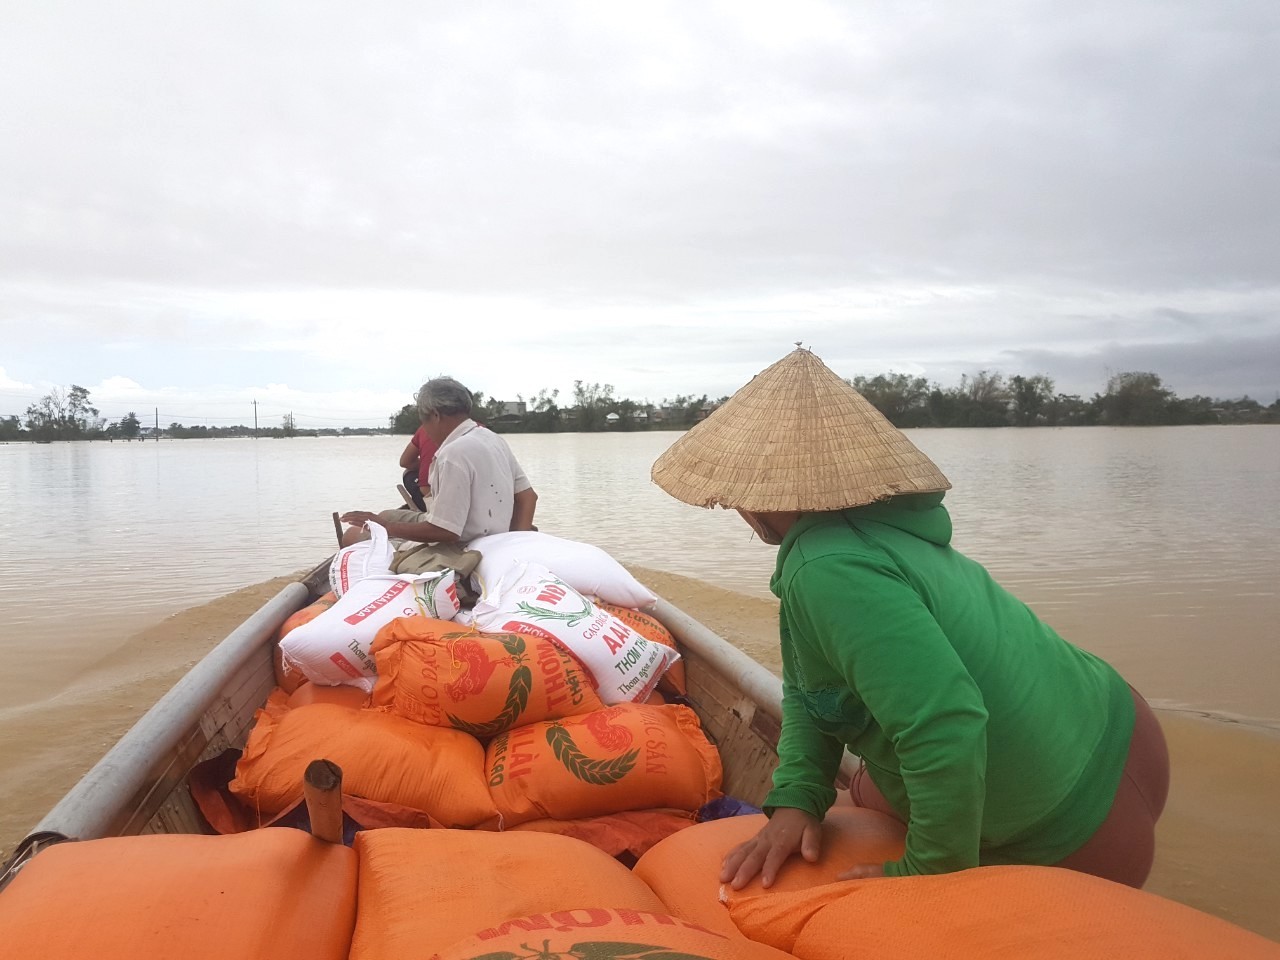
{"x":140,"y":786}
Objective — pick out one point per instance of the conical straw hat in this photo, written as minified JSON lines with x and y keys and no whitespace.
{"x":796,"y":437}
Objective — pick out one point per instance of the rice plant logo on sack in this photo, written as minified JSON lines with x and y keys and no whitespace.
{"x":440,"y":597}
{"x":544,"y":944}
{"x":477,"y":670}
{"x":598,"y":772}
{"x":551,"y":593}
{"x":592,"y":950}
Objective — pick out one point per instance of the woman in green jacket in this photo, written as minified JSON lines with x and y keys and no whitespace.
{"x":993,"y":739}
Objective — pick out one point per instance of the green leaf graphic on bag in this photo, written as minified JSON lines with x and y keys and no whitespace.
{"x":571,"y":618}
{"x":517,"y":693}
{"x":592,"y":950}
{"x":597,"y":772}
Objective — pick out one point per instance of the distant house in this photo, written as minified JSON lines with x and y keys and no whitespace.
{"x":611,"y":419}
{"x":509,"y":411}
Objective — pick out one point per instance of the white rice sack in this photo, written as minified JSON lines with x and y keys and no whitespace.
{"x":333,"y":649}
{"x":368,"y":558}
{"x":586,"y":568}
{"x":531,"y":600}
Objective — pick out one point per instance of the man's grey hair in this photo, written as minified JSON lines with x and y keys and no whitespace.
{"x":444,"y":396}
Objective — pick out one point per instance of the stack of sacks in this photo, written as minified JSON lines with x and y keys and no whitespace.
{"x":684,"y":870}
{"x":557,"y":758}
{"x":267,"y":893}
{"x":434,"y":770}
{"x":458,"y":894}
{"x":586,"y":568}
{"x":530,"y":600}
{"x":1032,"y":913}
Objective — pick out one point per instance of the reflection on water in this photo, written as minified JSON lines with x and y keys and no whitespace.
{"x":1155,"y":547}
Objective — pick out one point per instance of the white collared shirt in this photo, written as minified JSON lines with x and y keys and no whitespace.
{"x":474,"y":480}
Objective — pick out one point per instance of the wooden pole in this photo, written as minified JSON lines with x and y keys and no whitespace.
{"x":322,"y":789}
{"x":337,"y":527}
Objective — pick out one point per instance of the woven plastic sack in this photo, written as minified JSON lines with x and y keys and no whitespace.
{"x":586,"y":568}
{"x":268,"y":893}
{"x":684,"y":869}
{"x":435,"y":672}
{"x":334,"y":647}
{"x":1032,"y":913}
{"x":626,"y":757}
{"x":598,"y":932}
{"x":383,"y":758}
{"x":423,"y":890}
{"x":531,"y":600}
{"x":365,"y":558}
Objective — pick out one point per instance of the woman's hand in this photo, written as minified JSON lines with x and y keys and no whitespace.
{"x":787,"y":831}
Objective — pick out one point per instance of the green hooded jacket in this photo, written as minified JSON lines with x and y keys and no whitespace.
{"x":995,"y":739}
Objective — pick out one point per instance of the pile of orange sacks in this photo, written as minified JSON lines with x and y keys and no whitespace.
{"x":463,"y":894}
{"x":489,"y":731}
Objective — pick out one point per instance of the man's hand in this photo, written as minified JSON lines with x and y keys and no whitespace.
{"x":787,"y":831}
{"x":359,"y":518}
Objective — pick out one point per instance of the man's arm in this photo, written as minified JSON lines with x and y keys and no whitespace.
{"x":420,"y":530}
{"x":522,"y":511}
{"x":409,"y":457}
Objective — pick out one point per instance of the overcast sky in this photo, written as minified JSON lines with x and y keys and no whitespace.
{"x":321,"y":204}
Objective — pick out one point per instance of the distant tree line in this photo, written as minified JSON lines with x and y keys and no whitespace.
{"x":989,"y":399}
{"x":69,"y":415}
{"x":984,"y":399}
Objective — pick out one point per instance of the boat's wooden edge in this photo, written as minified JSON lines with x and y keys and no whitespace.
{"x":132,"y":768}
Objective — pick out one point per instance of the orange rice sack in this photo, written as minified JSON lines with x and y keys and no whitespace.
{"x":684,"y":869}
{"x":651,"y":628}
{"x":624,"y":757}
{"x":343,"y":696}
{"x":423,"y":890}
{"x":1032,"y":913}
{"x":439,"y":673}
{"x":598,"y":932}
{"x":307,"y":614}
{"x":384,"y":758}
{"x":268,"y":893}
{"x":290,"y":680}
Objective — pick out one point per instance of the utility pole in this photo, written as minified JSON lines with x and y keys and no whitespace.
{"x":157,"y":424}
{"x":255,"y":419}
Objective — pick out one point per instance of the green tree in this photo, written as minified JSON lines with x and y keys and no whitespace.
{"x":63,"y":416}
{"x":903,"y":399}
{"x":591,"y":402}
{"x":1068,"y":410}
{"x":406,"y":419}
{"x":129,"y":426}
{"x":288,"y":425}
{"x":1030,"y":396}
{"x":981,"y":400}
{"x":544,"y":414}
{"x":10,"y":428}
{"x":1134,"y":399}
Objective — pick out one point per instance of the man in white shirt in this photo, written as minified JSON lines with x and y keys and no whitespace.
{"x":477,"y":485}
